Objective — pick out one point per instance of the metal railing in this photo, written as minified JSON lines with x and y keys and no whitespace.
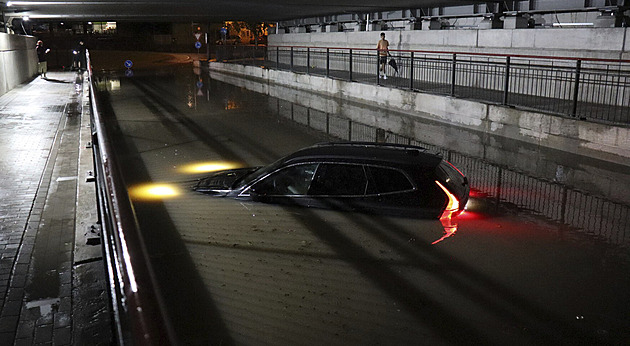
{"x":243,"y":53}
{"x":137,"y":311}
{"x":594,"y":89}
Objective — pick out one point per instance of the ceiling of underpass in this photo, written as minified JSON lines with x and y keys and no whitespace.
{"x":208,"y":10}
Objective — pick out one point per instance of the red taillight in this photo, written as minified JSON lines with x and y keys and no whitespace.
{"x":453,"y":203}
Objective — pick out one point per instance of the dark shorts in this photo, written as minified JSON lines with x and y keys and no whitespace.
{"x":382,"y":59}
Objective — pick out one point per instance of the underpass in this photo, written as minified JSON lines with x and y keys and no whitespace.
{"x":539,"y":257}
{"x":231,"y":272}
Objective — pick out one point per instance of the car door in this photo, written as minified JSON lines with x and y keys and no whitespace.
{"x":339,"y":186}
{"x":398,"y":195}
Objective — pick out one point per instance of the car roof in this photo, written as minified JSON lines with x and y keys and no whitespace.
{"x":368,"y":152}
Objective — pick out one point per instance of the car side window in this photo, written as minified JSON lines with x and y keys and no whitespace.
{"x":292,"y":180}
{"x":389,"y":180}
{"x":339,"y":180}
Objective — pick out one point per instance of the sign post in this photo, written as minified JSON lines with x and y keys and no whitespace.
{"x":129,"y":71}
{"x":197,"y":44}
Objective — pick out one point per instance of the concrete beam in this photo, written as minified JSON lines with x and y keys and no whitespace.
{"x":602,"y":43}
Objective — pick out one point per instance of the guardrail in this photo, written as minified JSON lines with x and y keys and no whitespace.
{"x":138,"y":313}
{"x":594,"y":89}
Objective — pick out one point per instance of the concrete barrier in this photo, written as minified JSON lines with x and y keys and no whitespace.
{"x":602,"y":141}
{"x":601,"y":43}
{"x":18,"y":60}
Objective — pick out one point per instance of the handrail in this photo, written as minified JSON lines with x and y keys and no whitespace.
{"x":138,"y":311}
{"x":499,"y":55}
{"x":588,"y":89}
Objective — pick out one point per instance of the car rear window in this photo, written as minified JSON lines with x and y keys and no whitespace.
{"x":388,"y":180}
{"x":449,"y":173}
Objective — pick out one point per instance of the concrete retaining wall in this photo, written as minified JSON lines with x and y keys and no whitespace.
{"x":591,"y":139}
{"x":18,"y":60}
{"x":601,"y":43}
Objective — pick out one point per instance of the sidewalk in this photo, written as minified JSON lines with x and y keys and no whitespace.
{"x":52,"y":284}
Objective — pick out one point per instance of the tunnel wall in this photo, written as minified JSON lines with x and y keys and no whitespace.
{"x":18,"y":60}
{"x":600,"y":43}
{"x":585,"y":138}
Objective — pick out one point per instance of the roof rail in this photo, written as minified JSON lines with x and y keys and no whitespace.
{"x":373,"y":144}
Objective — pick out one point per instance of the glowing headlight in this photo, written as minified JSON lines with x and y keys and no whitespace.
{"x":206,"y":167}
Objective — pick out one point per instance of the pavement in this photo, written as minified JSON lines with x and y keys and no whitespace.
{"x":52,"y":282}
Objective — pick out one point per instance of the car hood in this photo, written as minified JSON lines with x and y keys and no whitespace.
{"x":222,"y":182}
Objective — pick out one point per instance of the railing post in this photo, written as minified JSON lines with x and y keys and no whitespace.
{"x":576,"y":87}
{"x":378,"y":69}
{"x":349,"y":130}
{"x":308,"y":60}
{"x":277,"y":58}
{"x":327,"y":62}
{"x":291,"y":66}
{"x":266,"y":51}
{"x":350,"y":68}
{"x":453,"y":74}
{"x":506,"y":82}
{"x":411,"y":72}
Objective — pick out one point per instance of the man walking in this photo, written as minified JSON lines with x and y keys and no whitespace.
{"x":42,"y":64}
{"x":383,"y":50}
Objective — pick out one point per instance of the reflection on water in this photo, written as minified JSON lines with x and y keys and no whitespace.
{"x":149,"y":192}
{"x":325,"y":277}
{"x":450,"y":227}
{"x":588,"y":196}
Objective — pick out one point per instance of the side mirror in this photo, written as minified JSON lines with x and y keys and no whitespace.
{"x":256,"y":194}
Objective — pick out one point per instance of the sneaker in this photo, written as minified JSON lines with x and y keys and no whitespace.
{"x":384,"y":77}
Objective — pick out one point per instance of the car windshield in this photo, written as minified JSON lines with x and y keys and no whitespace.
{"x":261,"y":172}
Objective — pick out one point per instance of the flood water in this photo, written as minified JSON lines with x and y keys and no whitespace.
{"x":540,"y":256}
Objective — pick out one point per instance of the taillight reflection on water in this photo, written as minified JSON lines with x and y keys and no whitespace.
{"x":450,"y":228}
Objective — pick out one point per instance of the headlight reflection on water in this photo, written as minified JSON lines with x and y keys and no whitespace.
{"x":149,"y":192}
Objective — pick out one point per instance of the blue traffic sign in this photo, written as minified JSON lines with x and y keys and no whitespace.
{"x":128,"y":63}
{"x":199,"y":84}
{"x":129,"y":73}
{"x":197,"y":44}
{"x":223,"y":31}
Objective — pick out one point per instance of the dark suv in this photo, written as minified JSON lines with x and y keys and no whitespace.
{"x":369,"y":177}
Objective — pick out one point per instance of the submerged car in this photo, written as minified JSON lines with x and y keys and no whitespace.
{"x":358,"y":176}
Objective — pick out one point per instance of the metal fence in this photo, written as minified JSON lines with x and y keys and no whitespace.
{"x":594,"y":89}
{"x":579,"y":211}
